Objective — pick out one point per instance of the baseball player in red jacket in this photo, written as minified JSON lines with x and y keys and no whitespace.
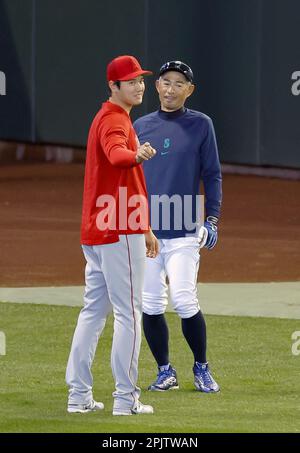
{"x":115,"y":238}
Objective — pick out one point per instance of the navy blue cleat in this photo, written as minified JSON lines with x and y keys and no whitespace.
{"x":166,"y":380}
{"x":204,"y":382}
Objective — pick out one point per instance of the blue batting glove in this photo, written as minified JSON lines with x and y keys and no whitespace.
{"x":212,"y":231}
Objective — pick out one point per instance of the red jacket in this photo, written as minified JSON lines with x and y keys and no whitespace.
{"x":112,"y":180}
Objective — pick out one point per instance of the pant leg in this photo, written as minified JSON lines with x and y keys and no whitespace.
{"x":123,"y":268}
{"x":182,"y":263}
{"x":91,"y":322}
{"x":155,"y":292}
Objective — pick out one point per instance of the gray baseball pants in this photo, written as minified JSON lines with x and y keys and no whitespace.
{"x":114,"y":281}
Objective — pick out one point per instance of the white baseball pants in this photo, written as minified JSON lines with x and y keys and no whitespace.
{"x":179,"y":260}
{"x":114,"y":279}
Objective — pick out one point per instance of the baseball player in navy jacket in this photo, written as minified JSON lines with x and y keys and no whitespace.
{"x":186,"y":154}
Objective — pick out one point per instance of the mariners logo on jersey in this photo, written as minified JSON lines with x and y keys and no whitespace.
{"x":167,"y":143}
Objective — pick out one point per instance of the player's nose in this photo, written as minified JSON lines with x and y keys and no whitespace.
{"x":170,"y":89}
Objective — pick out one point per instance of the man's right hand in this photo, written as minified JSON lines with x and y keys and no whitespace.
{"x":144,"y":152}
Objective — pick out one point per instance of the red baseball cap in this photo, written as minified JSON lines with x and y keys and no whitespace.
{"x":124,"y":68}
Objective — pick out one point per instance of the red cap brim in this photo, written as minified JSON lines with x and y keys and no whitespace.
{"x":135,"y":74}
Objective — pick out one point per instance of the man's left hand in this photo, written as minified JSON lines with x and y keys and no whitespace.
{"x":208,"y":234}
{"x":152,"y":245}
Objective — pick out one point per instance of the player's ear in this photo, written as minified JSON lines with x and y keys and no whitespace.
{"x":191,"y":89}
{"x":156,"y":85}
{"x":112,"y":86}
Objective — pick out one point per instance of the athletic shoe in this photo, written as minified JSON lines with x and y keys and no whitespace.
{"x":166,"y":380}
{"x":84,"y":408}
{"x":204,"y":382}
{"x":138,"y":408}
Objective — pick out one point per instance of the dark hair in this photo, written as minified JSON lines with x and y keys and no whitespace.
{"x":117,"y":83}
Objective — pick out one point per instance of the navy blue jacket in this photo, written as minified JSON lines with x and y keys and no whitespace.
{"x":186,"y":154}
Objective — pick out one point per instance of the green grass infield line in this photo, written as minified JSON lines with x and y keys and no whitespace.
{"x":275,"y":300}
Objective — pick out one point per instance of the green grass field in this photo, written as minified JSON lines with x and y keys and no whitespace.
{"x":251,"y":359}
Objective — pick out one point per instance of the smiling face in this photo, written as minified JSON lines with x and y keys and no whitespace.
{"x":173,"y":89}
{"x":129,"y":94}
